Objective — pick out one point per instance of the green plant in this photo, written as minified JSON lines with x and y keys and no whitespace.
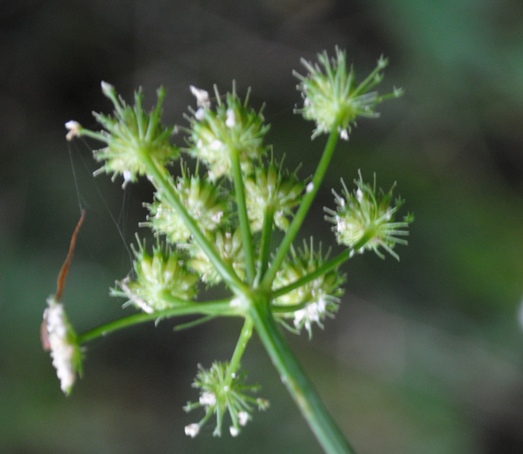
{"x":214,"y":226}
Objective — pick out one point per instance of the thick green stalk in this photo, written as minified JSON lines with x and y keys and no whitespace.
{"x":243,"y":218}
{"x":292,"y":375}
{"x":299,"y":218}
{"x":163,"y":185}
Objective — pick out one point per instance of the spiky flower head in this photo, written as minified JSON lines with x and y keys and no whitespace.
{"x":223,"y":392}
{"x":202,"y":200}
{"x":313,"y":301}
{"x":232,"y":127}
{"x":130,"y":133}
{"x":161,"y":280}
{"x":271,"y":189}
{"x":59,"y":337}
{"x":365,"y":219}
{"x":331,"y":97}
{"x":228,"y":246}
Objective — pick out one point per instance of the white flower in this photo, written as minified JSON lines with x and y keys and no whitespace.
{"x":74,"y":128}
{"x":208,"y":399}
{"x":234,"y":431}
{"x":243,"y":417}
{"x":192,"y":430}
{"x":61,"y":340}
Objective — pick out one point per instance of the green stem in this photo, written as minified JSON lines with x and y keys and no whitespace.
{"x":243,"y":218}
{"x":221,"y":307}
{"x":326,"y":267}
{"x":163,"y":184}
{"x":305,"y":205}
{"x":265,"y":242}
{"x":245,"y":335}
{"x":292,"y":375}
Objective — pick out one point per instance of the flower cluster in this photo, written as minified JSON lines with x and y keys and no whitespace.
{"x":129,"y":134}
{"x":331,"y":97}
{"x":223,"y":392}
{"x":365,"y":219}
{"x":59,"y":337}
{"x":269,"y":189}
{"x":313,"y":301}
{"x":228,"y":244}
{"x":233,"y":127}
{"x":217,"y":224}
{"x":162,"y":280}
{"x":203,"y":201}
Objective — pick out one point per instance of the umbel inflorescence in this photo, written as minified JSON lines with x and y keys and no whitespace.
{"x":214,"y":215}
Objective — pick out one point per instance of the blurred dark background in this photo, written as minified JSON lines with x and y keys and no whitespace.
{"x":425,"y":355}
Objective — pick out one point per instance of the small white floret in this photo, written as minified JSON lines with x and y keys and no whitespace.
{"x":309,"y":187}
{"x":192,"y":430}
{"x":234,"y":431}
{"x":208,"y":399}
{"x":243,"y":417}
{"x":74,"y":128}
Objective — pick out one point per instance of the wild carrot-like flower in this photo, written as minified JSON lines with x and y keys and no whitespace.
{"x":60,"y":339}
{"x":162,"y":280}
{"x":233,"y":127}
{"x":331,"y":97}
{"x":364,"y":219}
{"x":223,"y":392}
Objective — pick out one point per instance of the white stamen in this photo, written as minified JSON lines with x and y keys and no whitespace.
{"x":74,"y":128}
{"x":230,"y":122}
{"x":202,"y":97}
{"x":309,"y":187}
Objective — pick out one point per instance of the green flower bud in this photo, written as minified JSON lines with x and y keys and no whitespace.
{"x":270,"y":188}
{"x":331,"y":97}
{"x":316,"y":299}
{"x":161,"y":282}
{"x":203,"y":202}
{"x":364,"y":220}
{"x":231,"y":128}
{"x":128,"y":134}
{"x":229,"y":247}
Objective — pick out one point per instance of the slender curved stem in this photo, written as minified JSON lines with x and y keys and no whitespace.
{"x":160,"y":179}
{"x":221,"y":307}
{"x":243,"y":218}
{"x":306,"y":203}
